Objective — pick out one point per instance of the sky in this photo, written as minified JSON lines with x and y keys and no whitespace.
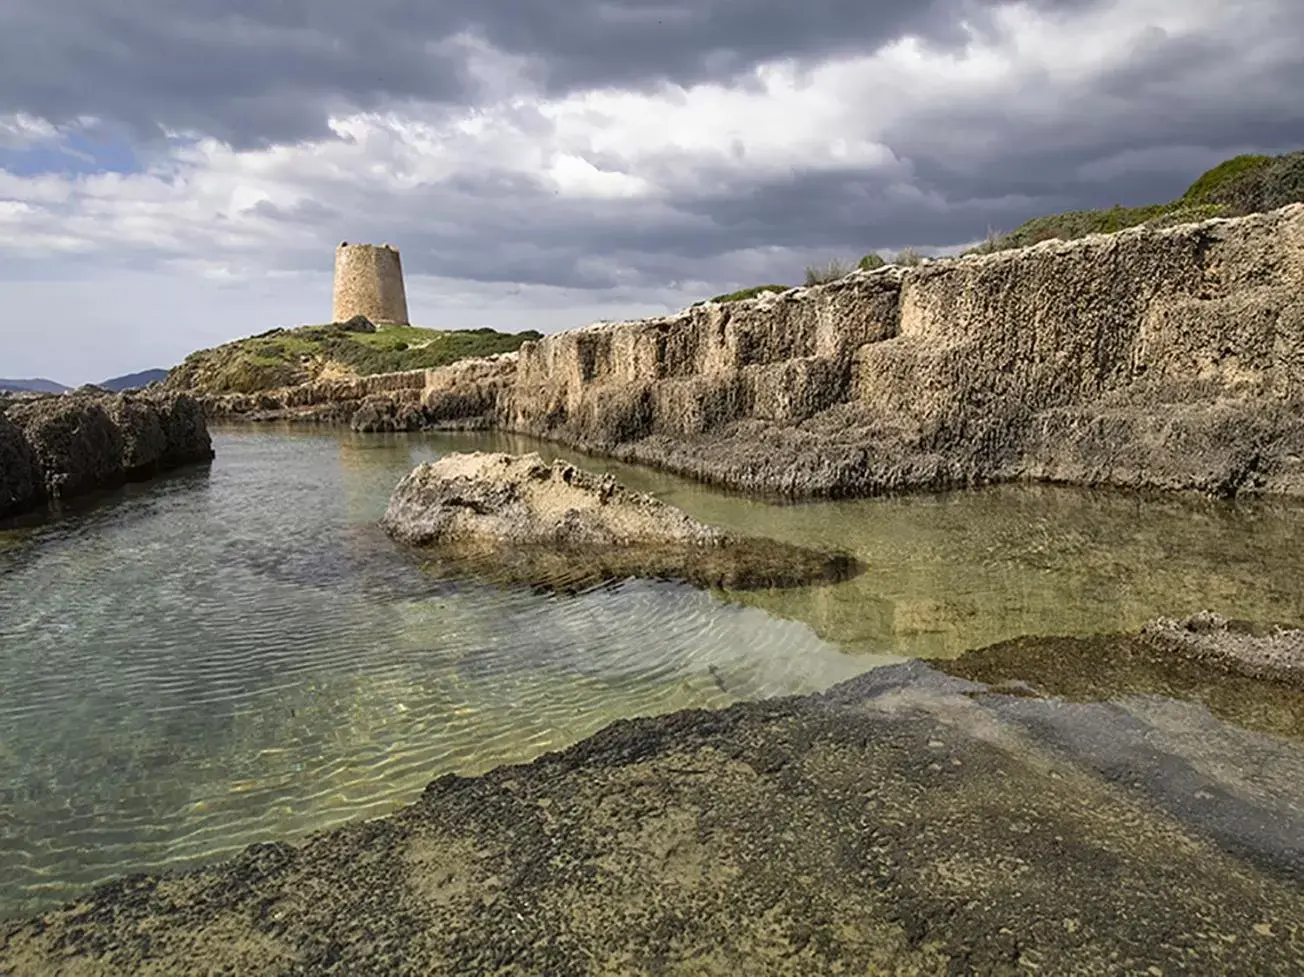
{"x":176,"y":175}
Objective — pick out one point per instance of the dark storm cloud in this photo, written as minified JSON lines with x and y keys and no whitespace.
{"x":1185,"y":103}
{"x":254,"y":72}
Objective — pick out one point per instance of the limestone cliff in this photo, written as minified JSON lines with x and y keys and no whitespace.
{"x":1169,"y":357}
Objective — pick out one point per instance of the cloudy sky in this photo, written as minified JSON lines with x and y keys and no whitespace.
{"x":176,"y":173}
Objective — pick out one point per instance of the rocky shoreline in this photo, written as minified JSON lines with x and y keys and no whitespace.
{"x":56,"y":448}
{"x":905,"y":822}
{"x":1149,"y":358}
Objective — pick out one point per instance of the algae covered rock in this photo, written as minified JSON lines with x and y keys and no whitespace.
{"x":515,"y":518}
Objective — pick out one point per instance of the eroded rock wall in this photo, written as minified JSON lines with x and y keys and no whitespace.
{"x":56,"y":448}
{"x":1169,"y":358}
{"x":1172,"y":358}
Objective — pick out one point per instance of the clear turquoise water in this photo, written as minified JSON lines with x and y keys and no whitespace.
{"x":238,"y":654}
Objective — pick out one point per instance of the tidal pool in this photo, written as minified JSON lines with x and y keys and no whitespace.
{"x":237,"y":654}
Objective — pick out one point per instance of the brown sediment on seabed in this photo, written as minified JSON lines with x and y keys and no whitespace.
{"x":901,"y":823}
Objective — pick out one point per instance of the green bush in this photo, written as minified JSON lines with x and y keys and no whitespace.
{"x":871,"y":261}
{"x":1227,"y":176}
{"x":908,"y":257}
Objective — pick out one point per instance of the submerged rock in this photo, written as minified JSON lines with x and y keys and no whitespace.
{"x":514,"y":518}
{"x":1274,"y":652}
{"x":76,"y":443}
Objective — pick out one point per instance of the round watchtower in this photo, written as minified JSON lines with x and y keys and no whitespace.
{"x":369,"y":281}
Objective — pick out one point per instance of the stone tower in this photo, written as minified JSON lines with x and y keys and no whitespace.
{"x":369,"y":281}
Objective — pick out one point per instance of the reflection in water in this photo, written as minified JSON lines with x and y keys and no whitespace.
{"x":240,"y":654}
{"x":959,"y":570}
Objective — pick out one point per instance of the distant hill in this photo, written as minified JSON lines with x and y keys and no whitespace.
{"x":133,"y":380}
{"x":38,"y":385}
{"x":287,"y":357}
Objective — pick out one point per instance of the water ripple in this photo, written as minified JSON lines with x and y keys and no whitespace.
{"x":244,"y":656}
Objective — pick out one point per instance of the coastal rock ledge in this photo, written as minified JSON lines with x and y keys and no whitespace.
{"x":518,"y":519}
{"x":55,"y":448}
{"x":1152,"y":358}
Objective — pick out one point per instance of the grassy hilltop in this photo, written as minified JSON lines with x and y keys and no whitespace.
{"x":285,"y":357}
{"x":1236,"y":187}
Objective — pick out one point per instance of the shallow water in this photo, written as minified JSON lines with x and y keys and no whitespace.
{"x":238,"y":654}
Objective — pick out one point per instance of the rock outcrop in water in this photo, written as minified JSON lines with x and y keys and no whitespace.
{"x":1272,"y":652}
{"x":516,"y":518}
{"x":57,"y":448}
{"x":902,"y":823}
{"x":1168,"y":358}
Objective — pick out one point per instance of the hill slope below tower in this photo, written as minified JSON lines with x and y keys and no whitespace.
{"x":287,"y":357}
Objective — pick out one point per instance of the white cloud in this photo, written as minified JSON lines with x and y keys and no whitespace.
{"x":218,"y":251}
{"x":21,"y":131}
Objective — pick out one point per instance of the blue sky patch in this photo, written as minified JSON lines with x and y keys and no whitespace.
{"x":77,"y":154}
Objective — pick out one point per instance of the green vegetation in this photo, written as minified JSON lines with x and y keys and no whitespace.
{"x":285,"y":357}
{"x":1215,"y":183}
{"x":749,"y":293}
{"x":1236,"y":187}
{"x":871,"y":261}
{"x":908,"y":257}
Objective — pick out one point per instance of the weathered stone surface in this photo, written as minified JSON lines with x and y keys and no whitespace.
{"x":903,"y":823}
{"x":1168,"y":358}
{"x":21,"y":483}
{"x":359,"y":323}
{"x":517,"y":499}
{"x":515,"y":518}
{"x":385,"y":412}
{"x":1273,"y":652}
{"x":87,"y":441}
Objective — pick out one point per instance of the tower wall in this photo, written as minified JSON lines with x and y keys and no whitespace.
{"x":369,"y":281}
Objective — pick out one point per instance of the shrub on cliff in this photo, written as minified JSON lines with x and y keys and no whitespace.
{"x":1248,"y":184}
{"x":871,"y":261}
{"x":823,"y":274}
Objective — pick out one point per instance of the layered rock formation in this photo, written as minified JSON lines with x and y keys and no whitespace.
{"x":56,"y":448}
{"x":515,"y":518}
{"x":1170,"y":358}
